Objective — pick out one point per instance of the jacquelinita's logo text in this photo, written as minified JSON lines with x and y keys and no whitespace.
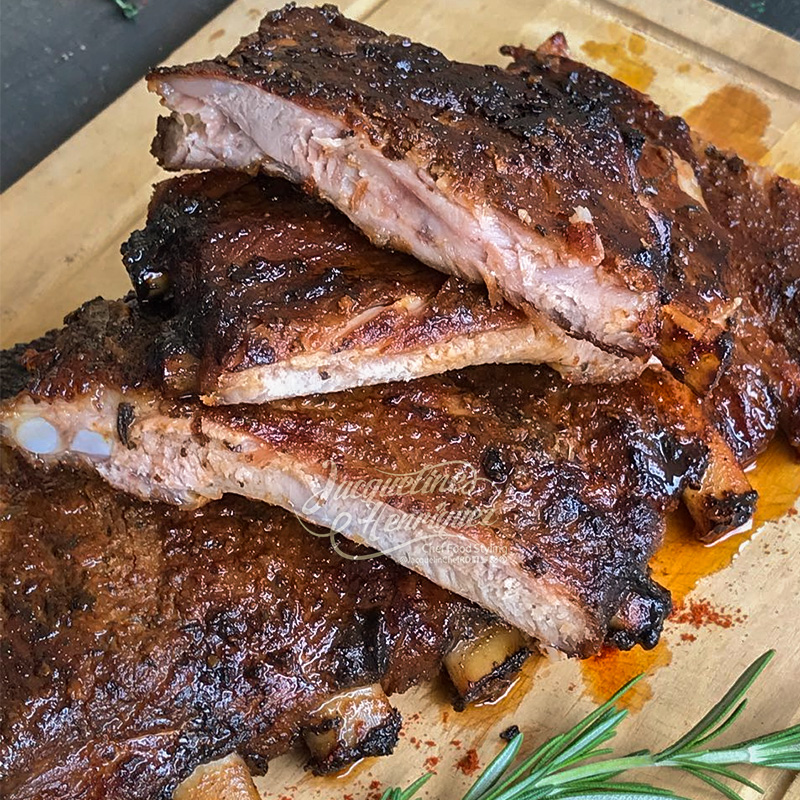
{"x":414,"y":516}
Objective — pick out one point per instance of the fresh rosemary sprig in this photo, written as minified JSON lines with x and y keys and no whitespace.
{"x":127,"y":7}
{"x":561,"y":767}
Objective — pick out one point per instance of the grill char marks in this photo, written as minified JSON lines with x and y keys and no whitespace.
{"x":735,"y":236}
{"x":761,"y":211}
{"x":694,"y":340}
{"x":267,"y":292}
{"x":474,"y":170}
{"x":140,"y":640}
{"x":570,"y":484}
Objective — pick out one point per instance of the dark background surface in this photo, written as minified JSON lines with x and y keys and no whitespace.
{"x":63,"y":61}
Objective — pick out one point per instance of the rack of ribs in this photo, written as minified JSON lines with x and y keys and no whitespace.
{"x":741,"y":233}
{"x":558,"y":492}
{"x":140,"y":640}
{"x":760,"y":393}
{"x":271,"y":294}
{"x":560,"y":218}
{"x":513,"y":179}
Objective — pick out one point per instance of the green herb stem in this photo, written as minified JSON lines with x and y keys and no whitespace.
{"x":565,"y":766}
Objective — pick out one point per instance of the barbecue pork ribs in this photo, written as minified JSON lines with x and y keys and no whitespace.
{"x":556,"y":493}
{"x":740,"y":239}
{"x":139,"y":640}
{"x":499,"y":176}
{"x":270,"y":294}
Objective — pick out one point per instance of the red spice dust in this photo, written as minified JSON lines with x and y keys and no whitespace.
{"x":430,"y":743}
{"x":688,"y":637}
{"x":470,"y":763}
{"x":456,"y":743}
{"x":375,"y":793}
{"x":431,"y":762}
{"x":700,"y":613}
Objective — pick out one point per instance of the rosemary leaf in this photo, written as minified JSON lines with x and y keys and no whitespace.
{"x":495,"y":771}
{"x":127,"y":7}
{"x":571,"y":765}
{"x":732,"y":697}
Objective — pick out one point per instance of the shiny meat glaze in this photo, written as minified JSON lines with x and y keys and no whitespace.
{"x":140,"y":640}
{"x":632,"y":109}
{"x":762,"y":212}
{"x":270,"y":294}
{"x":474,"y":170}
{"x":734,"y":236}
{"x":569,"y":485}
{"x":694,"y":341}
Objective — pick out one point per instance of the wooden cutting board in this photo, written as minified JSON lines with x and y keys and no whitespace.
{"x":739,"y":84}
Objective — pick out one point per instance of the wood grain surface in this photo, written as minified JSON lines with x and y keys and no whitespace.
{"x":739,"y":84}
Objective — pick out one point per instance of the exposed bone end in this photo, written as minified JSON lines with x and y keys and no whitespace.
{"x":350,"y":726}
{"x":718,"y":513}
{"x":92,"y":443}
{"x":37,"y":435}
{"x":225,"y":779}
{"x":481,"y":668}
{"x":725,"y":499}
{"x":642,"y":609}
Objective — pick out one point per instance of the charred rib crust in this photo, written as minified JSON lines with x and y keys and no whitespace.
{"x":738,"y":239}
{"x":761,"y":212}
{"x":145,"y":640}
{"x":125,"y":417}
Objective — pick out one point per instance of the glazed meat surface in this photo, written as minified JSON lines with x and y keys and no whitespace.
{"x":474,"y":170}
{"x":270,"y":294}
{"x":761,"y":390}
{"x":735,"y":237}
{"x":556,"y":186}
{"x":139,"y":640}
{"x":557,"y":493}
{"x":695,"y":343}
